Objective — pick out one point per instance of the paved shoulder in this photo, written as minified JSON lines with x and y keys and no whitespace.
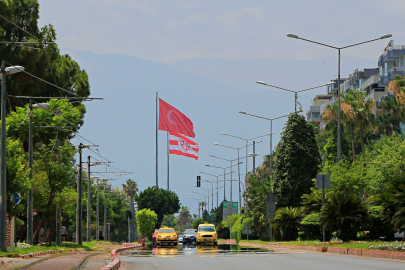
{"x":65,"y":262}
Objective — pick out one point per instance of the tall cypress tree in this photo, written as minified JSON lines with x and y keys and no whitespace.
{"x":297,"y":161}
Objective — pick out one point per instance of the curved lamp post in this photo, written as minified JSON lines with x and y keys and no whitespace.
{"x":339,"y":148}
{"x":3,"y":181}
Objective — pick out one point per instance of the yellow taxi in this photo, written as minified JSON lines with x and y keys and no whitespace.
{"x":206,"y":233}
{"x":166,"y":235}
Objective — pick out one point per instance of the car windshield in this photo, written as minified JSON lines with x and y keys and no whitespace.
{"x":207,"y":229}
{"x":166,"y":231}
{"x":189,"y":231}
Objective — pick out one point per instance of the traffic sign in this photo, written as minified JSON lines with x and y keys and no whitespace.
{"x":270,"y":197}
{"x":269,"y":215}
{"x":323,"y":178}
{"x":273,"y":207}
{"x":247,"y":228}
{"x":15,"y":198}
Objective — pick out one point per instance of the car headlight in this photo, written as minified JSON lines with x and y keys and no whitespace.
{"x":199,"y":234}
{"x":159,"y":236}
{"x":214,"y":234}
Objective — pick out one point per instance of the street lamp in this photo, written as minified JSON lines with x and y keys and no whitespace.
{"x":30,"y":218}
{"x":212,"y":196}
{"x":224,"y":171}
{"x":216,"y":181}
{"x":198,"y":204}
{"x":339,"y":148}
{"x":3,"y":185}
{"x":271,"y":133}
{"x":217,"y":144}
{"x":247,"y":141}
{"x":295,"y":92}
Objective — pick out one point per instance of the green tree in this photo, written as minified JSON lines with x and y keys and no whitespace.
{"x":359,"y":113}
{"x":389,"y":116}
{"x":45,"y":61}
{"x":297,"y":161}
{"x":161,"y":201}
{"x":344,"y":212}
{"x":197,"y":222}
{"x":146,"y":220}
{"x":169,"y":221}
{"x":393,"y":203}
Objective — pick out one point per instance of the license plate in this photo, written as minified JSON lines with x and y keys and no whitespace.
{"x":207,"y":239}
{"x":167,"y":238}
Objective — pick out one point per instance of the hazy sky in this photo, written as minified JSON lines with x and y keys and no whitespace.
{"x":175,"y":30}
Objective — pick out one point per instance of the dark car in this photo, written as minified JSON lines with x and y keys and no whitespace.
{"x":190,"y":236}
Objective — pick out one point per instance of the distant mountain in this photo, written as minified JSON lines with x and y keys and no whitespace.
{"x":210,"y":92}
{"x":286,"y":73}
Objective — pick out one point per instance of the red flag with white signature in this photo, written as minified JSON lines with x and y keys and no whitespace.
{"x":172,"y":120}
{"x":180,"y":145}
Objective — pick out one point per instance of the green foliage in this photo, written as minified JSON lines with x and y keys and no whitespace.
{"x":130,"y":188}
{"x":161,"y":201}
{"x":17,"y":176}
{"x":393,"y":203}
{"x":169,"y":221}
{"x":146,"y":220}
{"x":287,"y":220}
{"x":297,"y":161}
{"x":310,"y":228}
{"x":197,"y":222}
{"x":46,"y":63}
{"x":344,"y":212}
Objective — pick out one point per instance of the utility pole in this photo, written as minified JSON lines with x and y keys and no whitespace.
{"x":105,"y":213}
{"x":98,"y":214}
{"x":88,"y":201}
{"x":30,"y":220}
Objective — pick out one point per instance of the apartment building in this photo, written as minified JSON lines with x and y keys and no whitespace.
{"x":390,"y":63}
{"x":313,"y":113}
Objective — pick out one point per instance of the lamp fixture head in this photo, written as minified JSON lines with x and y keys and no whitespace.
{"x":292,"y":36}
{"x":242,"y":112}
{"x":260,"y":82}
{"x":386,"y":36}
{"x":41,"y":106}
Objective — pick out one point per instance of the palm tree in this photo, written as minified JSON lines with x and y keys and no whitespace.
{"x":389,"y":116}
{"x":344,"y":212}
{"x":131,"y":188}
{"x":287,"y":219}
{"x":360,"y":113}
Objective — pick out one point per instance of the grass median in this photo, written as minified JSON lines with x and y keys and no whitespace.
{"x":90,"y":246}
{"x":353,"y":244}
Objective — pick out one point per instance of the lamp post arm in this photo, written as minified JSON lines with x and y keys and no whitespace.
{"x":360,"y":43}
{"x":333,"y":47}
{"x":278,"y":87}
{"x":311,"y":88}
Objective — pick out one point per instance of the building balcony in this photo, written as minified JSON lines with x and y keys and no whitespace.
{"x":389,"y":76}
{"x":369,"y":81}
{"x":374,"y":95}
{"x":315,"y":119}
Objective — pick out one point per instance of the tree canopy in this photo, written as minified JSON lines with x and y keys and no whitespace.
{"x":161,"y":201}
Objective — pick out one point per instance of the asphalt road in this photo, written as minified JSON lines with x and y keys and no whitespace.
{"x":250,"y":261}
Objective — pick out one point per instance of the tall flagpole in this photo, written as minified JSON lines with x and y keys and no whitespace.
{"x":168,"y":160}
{"x":157,"y":120}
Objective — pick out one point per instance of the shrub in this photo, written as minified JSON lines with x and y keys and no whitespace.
{"x":310,"y":228}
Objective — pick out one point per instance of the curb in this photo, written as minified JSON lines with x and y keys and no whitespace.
{"x":125,"y":246}
{"x":114,"y":265}
{"x":36,"y":254}
{"x":381,"y":254}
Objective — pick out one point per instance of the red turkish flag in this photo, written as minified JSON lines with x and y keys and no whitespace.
{"x":172,"y":120}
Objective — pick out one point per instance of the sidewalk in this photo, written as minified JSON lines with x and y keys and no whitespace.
{"x":98,"y":261}
{"x":65,"y":262}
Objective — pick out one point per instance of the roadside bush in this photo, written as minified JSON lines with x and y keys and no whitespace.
{"x":287,"y":220}
{"x":346,"y":213}
{"x":197,"y":222}
{"x":310,"y":228}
